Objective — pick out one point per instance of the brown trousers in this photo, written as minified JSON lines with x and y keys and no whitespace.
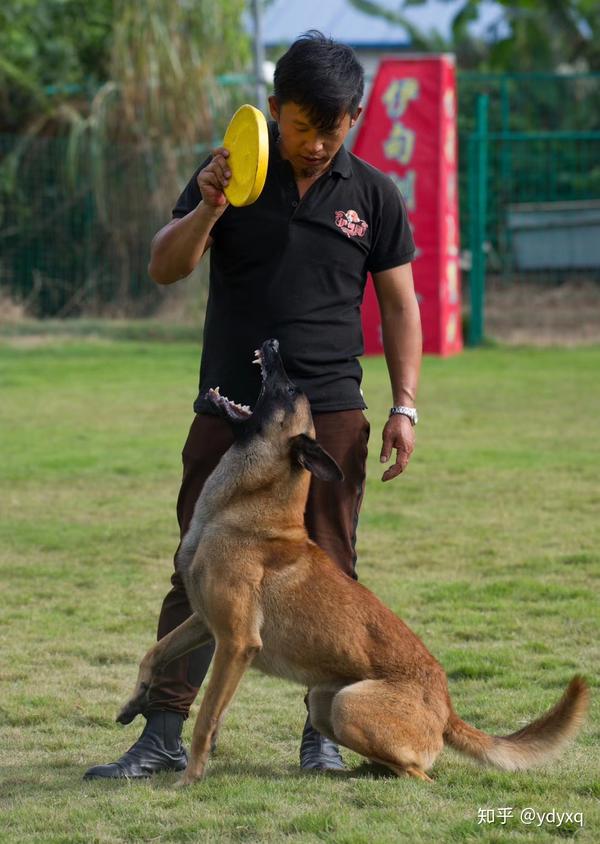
{"x":331,"y":520}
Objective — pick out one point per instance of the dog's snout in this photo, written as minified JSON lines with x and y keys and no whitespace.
{"x":271,"y":345}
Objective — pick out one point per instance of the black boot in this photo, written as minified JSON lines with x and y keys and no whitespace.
{"x":318,"y":753}
{"x":159,"y":748}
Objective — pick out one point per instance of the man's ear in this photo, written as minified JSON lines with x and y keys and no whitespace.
{"x":309,"y":454}
{"x":354,"y":117}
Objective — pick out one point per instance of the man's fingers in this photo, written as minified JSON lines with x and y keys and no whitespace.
{"x":398,"y":467}
{"x":216,"y":175}
{"x":219,"y":163}
{"x":394,"y":470}
{"x":211,"y":178}
{"x":391,"y":473}
{"x":386,"y":449}
{"x":221,"y":168}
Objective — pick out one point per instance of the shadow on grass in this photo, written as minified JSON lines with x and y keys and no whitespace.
{"x":36,"y":781}
{"x":257,"y":771}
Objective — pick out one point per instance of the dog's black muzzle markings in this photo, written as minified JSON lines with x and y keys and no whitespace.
{"x":277,"y":392}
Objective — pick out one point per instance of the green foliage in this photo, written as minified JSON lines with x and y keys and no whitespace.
{"x":165,"y":58}
{"x":52,"y":50}
{"x":94,"y":178}
{"x":528,"y":34}
{"x":49,"y":44}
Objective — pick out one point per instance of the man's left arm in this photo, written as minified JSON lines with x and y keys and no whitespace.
{"x":402,"y":343}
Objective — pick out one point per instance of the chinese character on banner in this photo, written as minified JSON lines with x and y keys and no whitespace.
{"x":408,"y":131}
{"x":399,"y":94}
{"x":400,"y":144}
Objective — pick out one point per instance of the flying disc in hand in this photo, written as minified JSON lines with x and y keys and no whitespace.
{"x":247,"y":139}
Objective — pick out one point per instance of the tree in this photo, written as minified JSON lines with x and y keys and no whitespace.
{"x":48,"y":46}
{"x":528,"y":35}
{"x":110,"y":164}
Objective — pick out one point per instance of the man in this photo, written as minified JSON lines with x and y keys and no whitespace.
{"x":293,"y":265}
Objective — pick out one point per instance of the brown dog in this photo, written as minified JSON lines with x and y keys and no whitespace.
{"x":272,"y":598}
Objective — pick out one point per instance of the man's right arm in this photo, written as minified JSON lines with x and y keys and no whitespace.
{"x":178,"y":247}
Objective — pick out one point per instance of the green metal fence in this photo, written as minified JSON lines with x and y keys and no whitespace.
{"x":542,"y":143}
{"x":529,"y":177}
{"x":76,"y":239}
{"x":77,"y":218}
{"x":530,"y":206}
{"x":531,"y":102}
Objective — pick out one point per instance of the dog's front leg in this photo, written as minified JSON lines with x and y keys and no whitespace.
{"x":189,"y":635}
{"x":231,"y":659}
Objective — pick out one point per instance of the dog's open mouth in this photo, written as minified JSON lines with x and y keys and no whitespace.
{"x":236,"y":411}
{"x":232,"y":409}
{"x":260,"y":361}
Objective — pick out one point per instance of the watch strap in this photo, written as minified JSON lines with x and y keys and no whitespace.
{"x":402,"y":410}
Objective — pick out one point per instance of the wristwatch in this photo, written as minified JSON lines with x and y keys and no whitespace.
{"x":401,"y":410}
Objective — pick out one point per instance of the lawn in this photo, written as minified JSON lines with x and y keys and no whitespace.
{"x":488,"y":547}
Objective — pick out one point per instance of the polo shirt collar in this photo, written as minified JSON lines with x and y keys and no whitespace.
{"x":341,"y":163}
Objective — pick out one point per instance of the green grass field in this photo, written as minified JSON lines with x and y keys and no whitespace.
{"x":489,"y":548}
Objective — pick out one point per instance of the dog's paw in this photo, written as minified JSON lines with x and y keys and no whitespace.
{"x":136,"y":705}
{"x":189,"y":777}
{"x":127,"y":714}
{"x":185,"y":781}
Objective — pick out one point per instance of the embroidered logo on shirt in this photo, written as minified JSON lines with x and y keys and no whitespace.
{"x":350,"y":223}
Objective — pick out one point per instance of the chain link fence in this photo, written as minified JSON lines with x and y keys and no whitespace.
{"x":542,"y":176}
{"x":75,"y":232}
{"x":76,"y":241}
{"x":542,"y":207}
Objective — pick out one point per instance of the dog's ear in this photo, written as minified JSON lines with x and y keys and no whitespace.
{"x":309,"y":454}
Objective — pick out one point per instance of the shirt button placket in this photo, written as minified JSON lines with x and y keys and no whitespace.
{"x":293,"y":196}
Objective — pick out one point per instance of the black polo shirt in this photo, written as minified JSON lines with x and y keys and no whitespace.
{"x":295,"y":269}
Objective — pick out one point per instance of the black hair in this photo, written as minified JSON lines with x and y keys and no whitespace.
{"x":322,"y":76}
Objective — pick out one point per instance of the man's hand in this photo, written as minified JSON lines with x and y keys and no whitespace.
{"x":398,"y":433}
{"x":214,"y":178}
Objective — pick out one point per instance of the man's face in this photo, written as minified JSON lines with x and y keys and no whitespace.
{"x":309,"y":149}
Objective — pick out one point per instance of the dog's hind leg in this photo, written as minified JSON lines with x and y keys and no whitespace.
{"x":389,"y":724}
{"x":189,"y":635}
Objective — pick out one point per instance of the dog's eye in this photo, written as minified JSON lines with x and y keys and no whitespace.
{"x":291,"y":390}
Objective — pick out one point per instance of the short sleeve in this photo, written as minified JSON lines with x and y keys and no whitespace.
{"x":393,"y":243}
{"x":190,"y":195}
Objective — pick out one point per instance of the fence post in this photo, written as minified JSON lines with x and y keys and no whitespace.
{"x":478,"y":171}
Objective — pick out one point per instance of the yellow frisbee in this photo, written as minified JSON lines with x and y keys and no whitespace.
{"x":247,"y":139}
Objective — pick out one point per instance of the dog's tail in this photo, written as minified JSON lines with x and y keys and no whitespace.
{"x":535,"y":743}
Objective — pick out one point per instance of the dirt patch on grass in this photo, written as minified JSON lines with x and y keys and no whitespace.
{"x":517,"y":314}
{"x":543,"y":315}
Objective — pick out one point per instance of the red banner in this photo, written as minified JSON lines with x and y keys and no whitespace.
{"x":408,"y":131}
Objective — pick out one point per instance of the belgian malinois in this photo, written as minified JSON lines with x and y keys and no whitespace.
{"x":272,"y":598}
